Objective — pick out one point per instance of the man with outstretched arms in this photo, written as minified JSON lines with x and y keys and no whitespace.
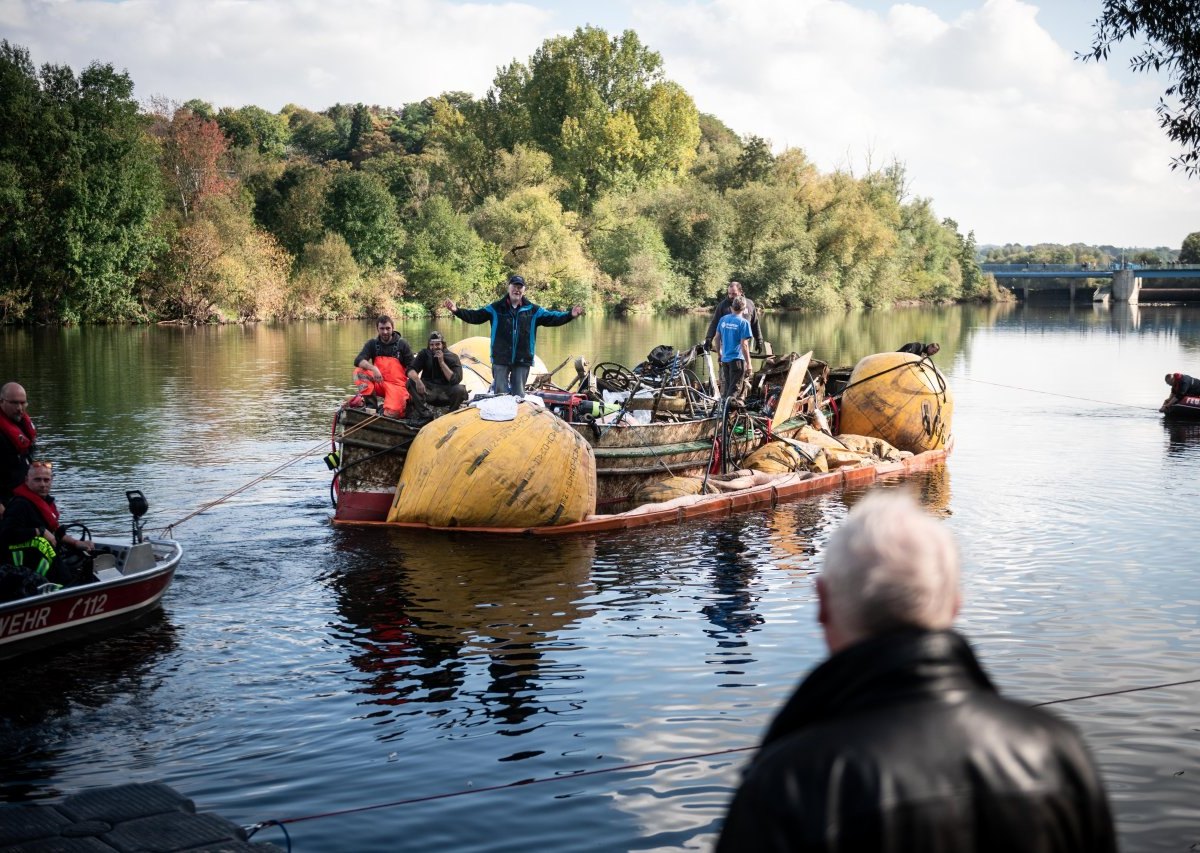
{"x":515,"y":321}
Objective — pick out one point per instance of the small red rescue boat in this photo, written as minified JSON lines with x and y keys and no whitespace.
{"x":131,"y":580}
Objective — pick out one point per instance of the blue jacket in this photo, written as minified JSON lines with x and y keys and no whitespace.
{"x":514,"y":332}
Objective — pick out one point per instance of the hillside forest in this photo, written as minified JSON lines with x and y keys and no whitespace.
{"x":583,"y":168}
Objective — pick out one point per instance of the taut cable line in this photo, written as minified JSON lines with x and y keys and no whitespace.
{"x":170,"y":528}
{"x":250,"y":830}
{"x":1056,"y":394}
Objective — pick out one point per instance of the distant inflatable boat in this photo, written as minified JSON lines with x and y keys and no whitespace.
{"x":1184,"y":409}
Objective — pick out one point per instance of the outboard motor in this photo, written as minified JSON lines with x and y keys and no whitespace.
{"x":138,"y":506}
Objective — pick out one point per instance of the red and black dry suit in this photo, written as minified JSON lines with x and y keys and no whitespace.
{"x":1183,"y":385}
{"x":23,"y":535}
{"x":18,"y":440}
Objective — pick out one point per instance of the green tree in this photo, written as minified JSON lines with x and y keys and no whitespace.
{"x":326,"y":281}
{"x":770,"y":247}
{"x":539,"y":238}
{"x":444,"y":257}
{"x":601,"y":108}
{"x":313,"y":134}
{"x":755,"y":162}
{"x":1170,"y":30}
{"x":408,"y":177}
{"x":360,"y":208}
{"x":255,"y":129}
{"x":467,"y":159}
{"x":974,"y":283}
{"x":631,"y":252}
{"x":717,"y":154}
{"x":1189,"y":253}
{"x":696,"y":223}
{"x":293,"y":207}
{"x":81,"y":191}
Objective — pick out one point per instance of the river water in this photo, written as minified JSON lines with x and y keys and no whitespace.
{"x":298,"y":670}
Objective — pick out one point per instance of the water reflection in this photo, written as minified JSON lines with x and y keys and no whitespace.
{"x":55,"y":697}
{"x":736,"y":559}
{"x":1183,"y":437}
{"x":424,"y":613}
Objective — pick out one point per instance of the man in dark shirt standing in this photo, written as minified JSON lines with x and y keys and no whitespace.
{"x":441,"y":374}
{"x":18,"y":440}
{"x":725,"y":306}
{"x":381,"y":368}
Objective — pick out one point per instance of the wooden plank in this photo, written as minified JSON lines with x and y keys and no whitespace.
{"x":796,"y":380}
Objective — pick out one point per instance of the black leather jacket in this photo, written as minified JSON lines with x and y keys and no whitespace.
{"x":901,"y":743}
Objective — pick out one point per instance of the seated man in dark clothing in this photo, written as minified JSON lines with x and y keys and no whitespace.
{"x":918,"y":348}
{"x":1182,"y":386}
{"x":30,"y":533}
{"x":441,"y":374}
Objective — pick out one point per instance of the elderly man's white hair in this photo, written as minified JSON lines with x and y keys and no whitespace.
{"x":890,"y":565}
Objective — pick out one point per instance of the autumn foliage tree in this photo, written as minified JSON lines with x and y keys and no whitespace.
{"x":192,"y":156}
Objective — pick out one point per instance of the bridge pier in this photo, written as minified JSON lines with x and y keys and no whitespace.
{"x":1125,"y":287}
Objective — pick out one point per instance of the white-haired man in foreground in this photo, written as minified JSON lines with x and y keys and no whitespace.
{"x":899,"y":741}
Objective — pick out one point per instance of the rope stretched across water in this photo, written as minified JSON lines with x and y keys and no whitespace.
{"x":1056,"y":394}
{"x":169,"y":529}
{"x":281,"y":822}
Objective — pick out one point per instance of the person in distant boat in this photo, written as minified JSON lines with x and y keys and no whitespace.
{"x":734,"y":330}
{"x":30,"y":533}
{"x":514,"y":321}
{"x":918,"y":348}
{"x":899,"y":740}
{"x":725,"y":306}
{"x":381,"y":369}
{"x":1182,"y":386}
{"x":18,"y":440}
{"x":441,"y":374}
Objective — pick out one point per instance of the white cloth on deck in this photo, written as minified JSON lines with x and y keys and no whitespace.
{"x":504,"y":407}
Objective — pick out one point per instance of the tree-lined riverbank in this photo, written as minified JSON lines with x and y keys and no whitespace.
{"x":583,"y":167}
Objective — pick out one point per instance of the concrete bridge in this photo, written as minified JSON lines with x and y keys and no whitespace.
{"x":1120,"y":282}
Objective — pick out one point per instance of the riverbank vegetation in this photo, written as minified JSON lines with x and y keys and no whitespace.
{"x":583,"y":168}
{"x":1098,"y":257}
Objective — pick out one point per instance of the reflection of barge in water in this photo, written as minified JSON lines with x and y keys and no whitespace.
{"x":677,"y":443}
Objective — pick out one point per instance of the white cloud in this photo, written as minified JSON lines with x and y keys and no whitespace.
{"x":272,"y":52}
{"x":995,"y":119}
{"x":998,"y":123}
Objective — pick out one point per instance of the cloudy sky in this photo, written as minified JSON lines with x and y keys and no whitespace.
{"x":982,"y":100}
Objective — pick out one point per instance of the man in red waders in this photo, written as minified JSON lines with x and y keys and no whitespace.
{"x":381,"y":369}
